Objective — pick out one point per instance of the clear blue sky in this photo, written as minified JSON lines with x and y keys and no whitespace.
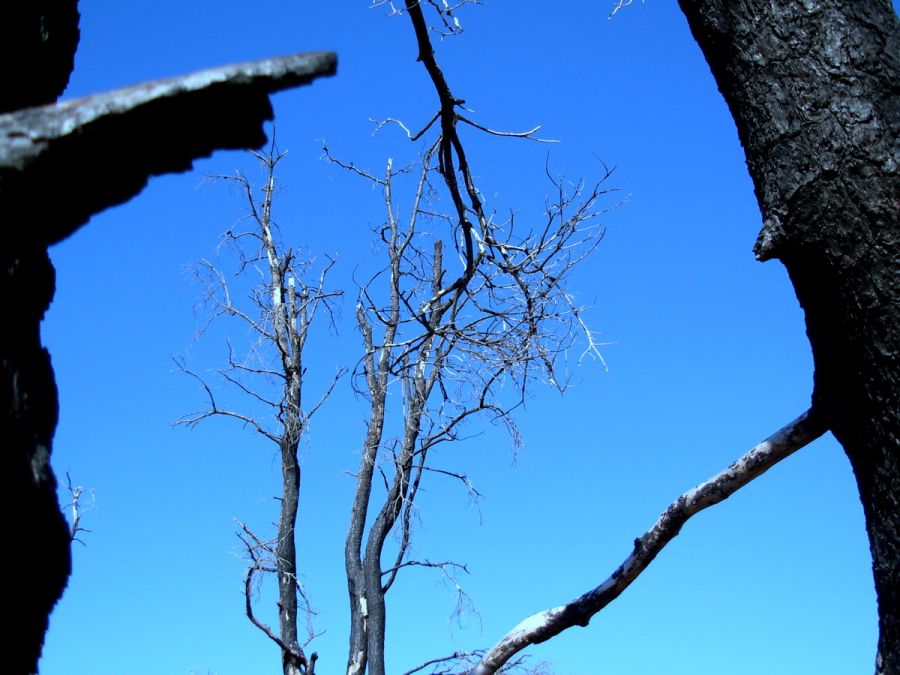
{"x":708,"y":356}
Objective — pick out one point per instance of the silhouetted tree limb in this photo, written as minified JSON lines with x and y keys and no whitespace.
{"x":77,"y":147}
{"x":544,"y":625}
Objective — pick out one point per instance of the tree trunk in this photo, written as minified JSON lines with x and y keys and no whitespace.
{"x":814,"y":88}
{"x":286,"y":551}
{"x":28,"y":416}
{"x":37,"y":45}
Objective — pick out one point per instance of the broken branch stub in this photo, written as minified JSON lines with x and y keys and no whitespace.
{"x":61,"y":163}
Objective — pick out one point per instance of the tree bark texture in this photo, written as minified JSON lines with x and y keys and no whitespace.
{"x":814,"y":89}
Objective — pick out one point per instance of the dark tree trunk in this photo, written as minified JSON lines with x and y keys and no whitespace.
{"x":37,"y":531}
{"x":814,"y":88}
{"x":286,"y":551}
{"x":43,"y":200}
{"x":38,"y":39}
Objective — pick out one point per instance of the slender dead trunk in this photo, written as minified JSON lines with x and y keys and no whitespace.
{"x":286,"y":551}
{"x":814,"y":88}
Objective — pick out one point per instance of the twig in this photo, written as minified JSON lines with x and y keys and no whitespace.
{"x":509,"y":134}
{"x":77,"y":492}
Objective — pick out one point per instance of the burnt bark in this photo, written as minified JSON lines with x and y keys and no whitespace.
{"x":43,"y":35}
{"x":28,"y":417}
{"x":59,"y":164}
{"x":814,"y":89}
{"x":99,"y":151}
{"x":292,"y":659}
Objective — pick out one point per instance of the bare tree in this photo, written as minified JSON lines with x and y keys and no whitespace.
{"x":502,"y":314}
{"x":279,"y":312}
{"x":464,"y":313}
{"x":455,"y":335}
{"x":454,"y":345}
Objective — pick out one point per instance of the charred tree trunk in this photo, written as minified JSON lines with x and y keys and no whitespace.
{"x":814,"y":88}
{"x":292,"y":663}
{"x":44,"y":149}
{"x":37,"y":43}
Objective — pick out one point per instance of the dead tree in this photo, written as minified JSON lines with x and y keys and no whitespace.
{"x":279,"y":313}
{"x":489,"y":263}
{"x":54,"y":174}
{"x":454,"y":334}
{"x":464,"y":315}
{"x":457,"y":336}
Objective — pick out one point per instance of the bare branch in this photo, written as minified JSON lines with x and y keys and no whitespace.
{"x":379,"y":125}
{"x":252,"y":545}
{"x":327,"y":393}
{"x":455,"y":656}
{"x":349,"y":166}
{"x":509,"y":134}
{"x":544,"y":625}
{"x":77,"y":508}
{"x":193,"y":419}
{"x":427,"y":563}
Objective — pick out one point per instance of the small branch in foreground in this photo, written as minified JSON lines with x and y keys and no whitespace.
{"x":544,"y":625}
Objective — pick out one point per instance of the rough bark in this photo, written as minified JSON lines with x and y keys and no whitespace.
{"x":59,"y":164}
{"x":814,"y":88}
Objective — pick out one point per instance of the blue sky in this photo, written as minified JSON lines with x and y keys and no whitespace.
{"x":708,"y":355}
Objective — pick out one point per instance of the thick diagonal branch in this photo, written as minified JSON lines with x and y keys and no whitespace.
{"x":544,"y":625}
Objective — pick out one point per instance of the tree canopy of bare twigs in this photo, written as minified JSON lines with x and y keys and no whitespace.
{"x":285,"y":295}
{"x":458,"y":334}
{"x":462,"y":314}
